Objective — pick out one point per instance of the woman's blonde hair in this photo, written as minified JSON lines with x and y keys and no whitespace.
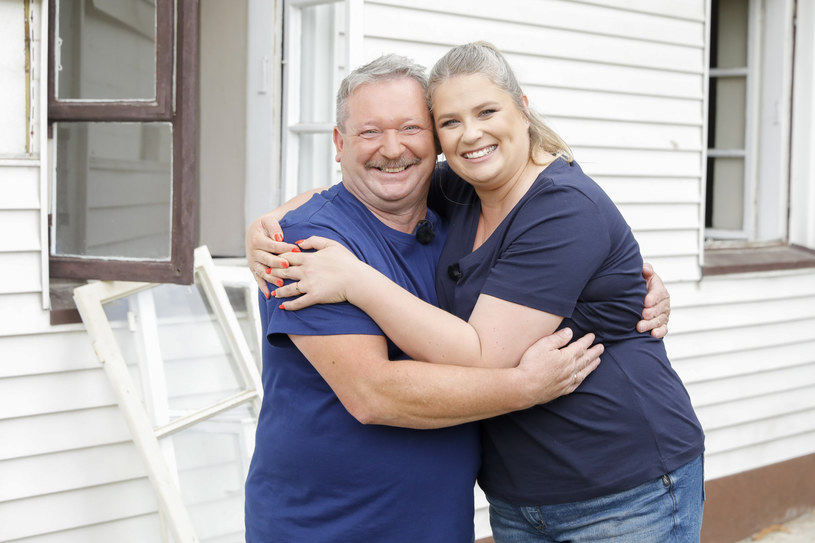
{"x":481,"y":57}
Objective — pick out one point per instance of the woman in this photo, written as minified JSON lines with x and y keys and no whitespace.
{"x":535,"y":245}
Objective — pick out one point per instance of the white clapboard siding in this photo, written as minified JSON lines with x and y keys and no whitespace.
{"x":761,"y":453}
{"x":21,"y":231}
{"x":73,"y":509}
{"x":69,"y":470}
{"x":64,"y":348}
{"x":649,"y":24}
{"x":583,"y":132}
{"x":139,"y":529}
{"x":665,"y":243}
{"x":53,"y":393}
{"x":532,"y":35}
{"x":12,"y":68}
{"x":766,"y":406}
{"x":591,"y":104}
{"x":693,"y":10}
{"x":744,"y":346}
{"x":20,"y":272}
{"x":20,"y":186}
{"x":651,"y":190}
{"x":69,"y":430}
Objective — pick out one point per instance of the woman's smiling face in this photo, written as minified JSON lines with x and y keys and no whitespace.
{"x":483,"y":133}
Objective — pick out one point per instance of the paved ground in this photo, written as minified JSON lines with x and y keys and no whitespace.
{"x":800,"y":530}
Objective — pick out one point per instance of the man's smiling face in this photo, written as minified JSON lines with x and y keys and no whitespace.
{"x":386,"y":147}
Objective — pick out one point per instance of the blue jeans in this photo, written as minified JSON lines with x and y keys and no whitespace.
{"x":668,"y":509}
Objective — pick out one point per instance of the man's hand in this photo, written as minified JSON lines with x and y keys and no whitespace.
{"x":264,"y":241}
{"x":551,"y":370}
{"x":657,"y":304}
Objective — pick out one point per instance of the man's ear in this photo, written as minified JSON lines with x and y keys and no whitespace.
{"x":338,"y":143}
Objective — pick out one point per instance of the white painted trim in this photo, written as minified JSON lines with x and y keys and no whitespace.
{"x":354,"y":33}
{"x":703,"y":157}
{"x":45,"y":155}
{"x":264,"y":112}
{"x":802,"y":166}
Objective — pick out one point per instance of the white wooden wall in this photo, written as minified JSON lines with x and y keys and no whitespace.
{"x":622,"y":80}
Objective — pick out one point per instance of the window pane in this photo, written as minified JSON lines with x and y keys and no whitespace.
{"x":317,"y":45}
{"x":114,"y":195}
{"x":106,"y":50}
{"x":729,"y":98}
{"x":726,"y":201}
{"x":316,"y":168}
{"x":730,"y":34}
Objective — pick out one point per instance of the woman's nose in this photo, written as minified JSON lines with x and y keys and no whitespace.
{"x":471,"y":132}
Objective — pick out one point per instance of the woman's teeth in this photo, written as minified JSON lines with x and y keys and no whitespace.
{"x":481,"y":152}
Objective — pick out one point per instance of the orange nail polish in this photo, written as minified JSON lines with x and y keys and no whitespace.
{"x":278,"y":237}
{"x":267,"y":295}
{"x":296,"y":250}
{"x":274,"y":293}
{"x":299,"y":241}
{"x":281,"y":306}
{"x":283,"y":264}
{"x":278,"y":282}
{"x":268,"y":270}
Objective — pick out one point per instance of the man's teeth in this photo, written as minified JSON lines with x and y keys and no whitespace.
{"x":393,"y":170}
{"x":481,"y":152}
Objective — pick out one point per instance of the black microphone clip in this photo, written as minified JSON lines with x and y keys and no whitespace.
{"x":454,"y":272}
{"x":424,"y":232}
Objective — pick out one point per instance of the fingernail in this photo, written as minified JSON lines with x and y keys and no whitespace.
{"x":267,"y":295}
{"x":299,"y":241}
{"x":278,"y":282}
{"x":296,"y":250}
{"x":281,"y":306}
{"x":278,"y":237}
{"x":274,"y":293}
{"x":283,"y":264}
{"x":269,"y":270}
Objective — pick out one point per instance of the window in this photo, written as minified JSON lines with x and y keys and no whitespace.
{"x":748,"y":121}
{"x":315,"y":32}
{"x":747,"y":200}
{"x":122,"y":116}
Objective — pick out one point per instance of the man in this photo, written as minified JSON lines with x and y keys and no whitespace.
{"x":407,"y":472}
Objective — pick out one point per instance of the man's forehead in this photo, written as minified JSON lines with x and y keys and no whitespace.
{"x":393,"y":98}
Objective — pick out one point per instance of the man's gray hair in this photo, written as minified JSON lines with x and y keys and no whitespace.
{"x":384,"y":68}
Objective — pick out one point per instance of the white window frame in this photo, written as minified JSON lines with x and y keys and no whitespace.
{"x":802,"y":167}
{"x":157,"y":455}
{"x":347,"y":53}
{"x":768,"y":118}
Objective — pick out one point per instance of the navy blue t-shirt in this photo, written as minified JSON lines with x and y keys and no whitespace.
{"x":566,"y":249}
{"x":317,"y":474}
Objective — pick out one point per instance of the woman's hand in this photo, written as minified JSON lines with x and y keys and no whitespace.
{"x":264,"y":242}
{"x":552,"y":368}
{"x":326,"y":276}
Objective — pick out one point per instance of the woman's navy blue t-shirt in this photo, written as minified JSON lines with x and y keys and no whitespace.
{"x":566,"y":249}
